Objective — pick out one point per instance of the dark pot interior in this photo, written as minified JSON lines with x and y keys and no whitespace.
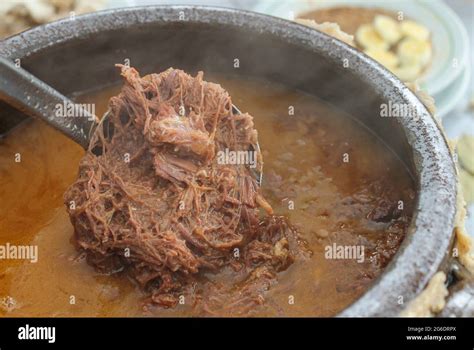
{"x":77,"y":55}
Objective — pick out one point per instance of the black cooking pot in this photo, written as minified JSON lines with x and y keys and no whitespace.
{"x":79,"y":54}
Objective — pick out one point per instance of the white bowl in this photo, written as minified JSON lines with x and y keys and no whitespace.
{"x":450,"y":40}
{"x":448,"y":99}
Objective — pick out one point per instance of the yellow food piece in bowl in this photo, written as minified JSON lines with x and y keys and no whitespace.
{"x":414,"y":30}
{"x":413,"y":51}
{"x":387,"y":28}
{"x":368,"y":38}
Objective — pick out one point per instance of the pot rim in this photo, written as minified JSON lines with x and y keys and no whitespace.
{"x":430,"y":234}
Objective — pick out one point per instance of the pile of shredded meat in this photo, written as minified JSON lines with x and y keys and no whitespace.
{"x":152,"y":199}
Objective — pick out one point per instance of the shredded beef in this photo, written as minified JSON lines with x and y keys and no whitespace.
{"x":152,"y":200}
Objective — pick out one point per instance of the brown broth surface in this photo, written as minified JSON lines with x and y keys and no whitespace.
{"x":305,"y":178}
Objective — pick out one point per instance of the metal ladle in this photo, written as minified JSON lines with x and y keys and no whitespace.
{"x":35,"y":98}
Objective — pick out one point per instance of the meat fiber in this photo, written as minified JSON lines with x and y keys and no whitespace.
{"x":152,"y":200}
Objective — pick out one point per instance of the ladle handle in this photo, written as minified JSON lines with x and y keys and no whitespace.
{"x":34,"y":97}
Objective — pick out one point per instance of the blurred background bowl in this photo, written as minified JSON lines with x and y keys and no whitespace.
{"x":445,"y":79}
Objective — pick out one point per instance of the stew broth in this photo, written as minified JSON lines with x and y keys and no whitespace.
{"x":335,"y":181}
